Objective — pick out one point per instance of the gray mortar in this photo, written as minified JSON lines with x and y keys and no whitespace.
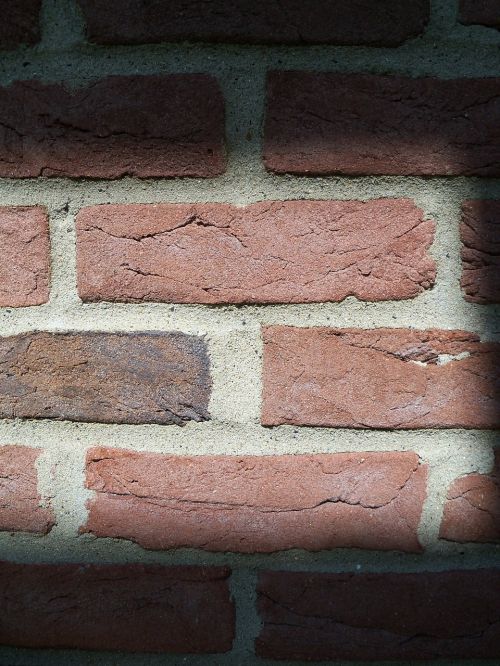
{"x":233,"y":333}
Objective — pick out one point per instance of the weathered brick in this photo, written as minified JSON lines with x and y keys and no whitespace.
{"x":372,"y":616}
{"x":143,"y":126}
{"x":135,"y":608}
{"x":480,"y":12}
{"x":20,"y":22}
{"x":325,"y":123}
{"x":380,"y":378}
{"x":21,"y":507}
{"x":257,"y":504}
{"x":472,"y":509}
{"x":105,"y":377}
{"x":480,"y":232}
{"x":24,"y":256}
{"x":388,"y":23}
{"x":269,"y":252}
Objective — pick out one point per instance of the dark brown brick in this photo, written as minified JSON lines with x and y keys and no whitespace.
{"x":135,"y":608}
{"x":472,"y":509}
{"x":20,"y":22}
{"x":316,"y":616}
{"x":324,"y":123}
{"x":145,"y":126}
{"x":257,"y":503}
{"x":21,"y":508}
{"x":480,"y":12}
{"x":105,"y":377}
{"x":385,"y":23}
{"x":480,"y":232}
{"x":269,"y":252}
{"x":380,"y":378}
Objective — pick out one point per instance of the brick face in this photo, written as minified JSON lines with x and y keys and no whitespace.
{"x":315,"y":616}
{"x":144,"y":126}
{"x":24,"y":256}
{"x":269,"y":252}
{"x":257,"y":504}
{"x":254,"y":21}
{"x":137,"y":608}
{"x":480,"y":233}
{"x":21,"y":509}
{"x":325,"y":123}
{"x":105,"y":377}
{"x":472,"y":508}
{"x":482,"y":12}
{"x":380,"y":378}
{"x":20,"y":23}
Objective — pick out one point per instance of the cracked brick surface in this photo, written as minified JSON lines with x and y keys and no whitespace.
{"x":144,"y":126}
{"x":21,"y":508}
{"x":257,"y":503}
{"x":480,"y":235}
{"x":380,"y":378}
{"x":269,"y":252}
{"x":20,"y":23}
{"x":472,"y":508}
{"x":24,"y":256}
{"x":480,"y":12}
{"x":138,"y":608}
{"x":316,"y":616}
{"x":105,"y":377}
{"x":388,"y":23}
{"x":320,"y":123}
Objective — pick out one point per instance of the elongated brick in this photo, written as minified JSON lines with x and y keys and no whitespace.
{"x":20,"y":23}
{"x":480,"y":233}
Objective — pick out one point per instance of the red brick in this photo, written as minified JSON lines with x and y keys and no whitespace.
{"x":105,"y":377}
{"x":269,"y":252}
{"x":145,"y":126}
{"x":388,"y":23}
{"x":472,"y":509}
{"x":20,"y":22}
{"x":21,"y":507}
{"x":359,"y":124}
{"x":380,"y":378}
{"x":480,"y":232}
{"x":482,"y":12}
{"x":316,"y":616}
{"x":257,"y":504}
{"x":135,"y":608}
{"x":24,"y":256}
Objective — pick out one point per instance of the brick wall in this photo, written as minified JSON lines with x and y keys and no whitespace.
{"x":250,"y":333}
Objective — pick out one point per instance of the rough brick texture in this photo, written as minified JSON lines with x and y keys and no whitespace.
{"x":20,"y":22}
{"x":143,"y":126}
{"x":324,"y":123}
{"x":105,"y":377}
{"x":269,"y":252}
{"x":472,"y":509}
{"x":257,"y":504}
{"x":24,"y":256}
{"x":380,"y":378}
{"x":316,"y":616}
{"x":21,"y":508}
{"x":389,"y":23}
{"x":480,"y":232}
{"x":122,"y":607}
{"x":482,"y":12}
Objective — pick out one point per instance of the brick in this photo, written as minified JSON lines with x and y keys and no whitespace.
{"x":145,"y":126}
{"x":24,"y":256}
{"x":268,"y":252}
{"x":20,"y":23}
{"x":134,"y":608}
{"x":325,"y":123}
{"x":105,"y":377}
{"x":472,"y":508}
{"x":257,"y":503}
{"x":254,"y":21}
{"x":21,"y":508}
{"x":481,"y":12}
{"x":480,"y":233}
{"x":372,"y":616}
{"x":380,"y":378}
